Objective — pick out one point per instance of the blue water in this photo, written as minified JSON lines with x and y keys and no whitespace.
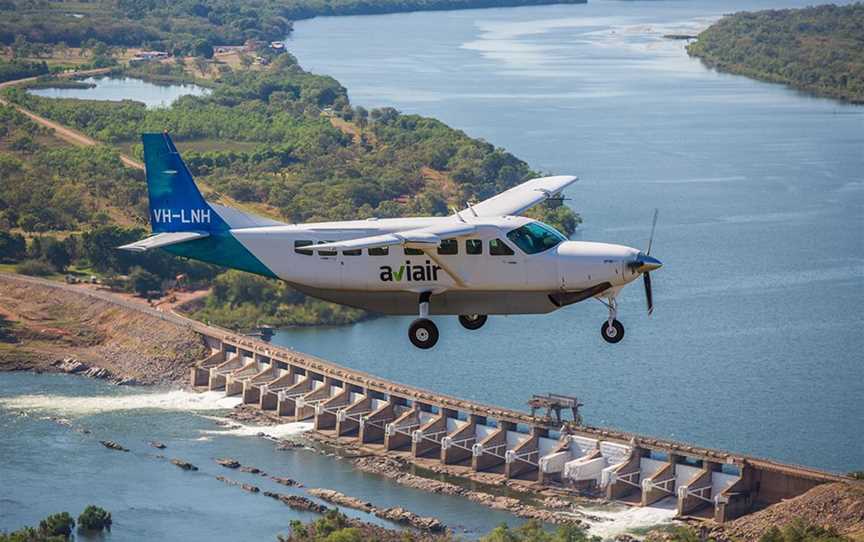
{"x":125,"y":88}
{"x":48,"y":467}
{"x":755,"y":344}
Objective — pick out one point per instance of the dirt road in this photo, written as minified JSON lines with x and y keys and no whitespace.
{"x":63,"y":132}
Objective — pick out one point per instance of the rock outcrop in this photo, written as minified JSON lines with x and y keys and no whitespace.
{"x":297,"y":503}
{"x":396,"y":514}
{"x":185,"y":465}
{"x":229,"y":463}
{"x":111,"y":445}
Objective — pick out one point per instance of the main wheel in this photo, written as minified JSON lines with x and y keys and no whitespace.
{"x":472,"y":321}
{"x":613,"y":333}
{"x":423,"y":333}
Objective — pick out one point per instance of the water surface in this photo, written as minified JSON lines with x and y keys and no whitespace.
{"x":125,"y":88}
{"x":755,"y":344}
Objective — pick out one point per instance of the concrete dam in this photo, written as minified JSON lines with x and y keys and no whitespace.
{"x":353,"y":407}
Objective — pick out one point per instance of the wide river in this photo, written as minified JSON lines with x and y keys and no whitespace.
{"x":756,"y":341}
{"x":755,"y":344}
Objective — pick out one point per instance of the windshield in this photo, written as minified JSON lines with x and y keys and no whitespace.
{"x":535,"y":237}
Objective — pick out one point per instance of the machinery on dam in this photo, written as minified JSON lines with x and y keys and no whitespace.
{"x":353,"y":406}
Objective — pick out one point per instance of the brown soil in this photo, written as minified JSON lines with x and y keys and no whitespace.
{"x":839,"y":506}
{"x":51,"y":325}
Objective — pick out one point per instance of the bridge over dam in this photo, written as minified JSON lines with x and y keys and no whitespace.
{"x":355,"y":407}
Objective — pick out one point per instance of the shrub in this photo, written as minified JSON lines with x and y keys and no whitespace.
{"x":57,"y":525}
{"x":94,"y":518}
{"x":37,"y":268}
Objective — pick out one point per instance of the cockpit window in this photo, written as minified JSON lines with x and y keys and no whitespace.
{"x":535,"y":237}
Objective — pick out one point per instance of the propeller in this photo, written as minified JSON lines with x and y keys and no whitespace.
{"x":644,"y":264}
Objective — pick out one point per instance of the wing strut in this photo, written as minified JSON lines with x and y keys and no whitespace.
{"x":453,"y":274}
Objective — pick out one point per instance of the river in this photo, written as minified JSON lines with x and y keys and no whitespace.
{"x":755,"y":344}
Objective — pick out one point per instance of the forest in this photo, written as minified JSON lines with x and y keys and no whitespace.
{"x":192,"y":26}
{"x":815,"y":49}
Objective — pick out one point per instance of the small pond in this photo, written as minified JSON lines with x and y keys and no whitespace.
{"x":125,"y":88}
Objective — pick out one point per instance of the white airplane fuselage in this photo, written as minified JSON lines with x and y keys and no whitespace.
{"x":500,"y":283}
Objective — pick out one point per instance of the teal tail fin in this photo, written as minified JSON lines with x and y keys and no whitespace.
{"x":176,"y":204}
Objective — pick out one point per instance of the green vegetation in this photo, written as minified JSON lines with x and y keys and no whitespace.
{"x":94,"y":518}
{"x":54,"y":528}
{"x":336,"y":527}
{"x":192,"y":26}
{"x":800,"y":531}
{"x":18,"y":69}
{"x":816,"y":49}
{"x":244,"y":301}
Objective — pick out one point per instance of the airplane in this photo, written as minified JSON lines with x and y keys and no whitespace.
{"x":479,"y":261}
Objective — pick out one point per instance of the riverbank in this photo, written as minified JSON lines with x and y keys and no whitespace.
{"x":63,"y":330}
{"x":817,"y":49}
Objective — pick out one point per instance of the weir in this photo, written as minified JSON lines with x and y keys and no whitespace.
{"x":355,"y":406}
{"x":427,"y":426}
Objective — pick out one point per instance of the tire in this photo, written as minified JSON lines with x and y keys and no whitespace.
{"x":472,"y":321}
{"x":614,"y":333}
{"x":423,"y":333}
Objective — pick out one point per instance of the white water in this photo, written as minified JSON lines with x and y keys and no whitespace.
{"x":279,"y":431}
{"x":84,"y":406}
{"x":615,"y":522}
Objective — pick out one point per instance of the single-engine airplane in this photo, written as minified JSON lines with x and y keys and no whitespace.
{"x":479,"y":261}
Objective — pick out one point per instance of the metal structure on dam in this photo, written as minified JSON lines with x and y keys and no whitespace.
{"x":354,"y":406}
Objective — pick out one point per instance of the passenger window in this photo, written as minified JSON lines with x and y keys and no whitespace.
{"x":448,"y":247}
{"x":498,"y":248}
{"x":413,"y":252}
{"x":379,"y":251}
{"x":326,"y":252}
{"x":303,"y":251}
{"x":352,"y":252}
{"x":474,"y":246}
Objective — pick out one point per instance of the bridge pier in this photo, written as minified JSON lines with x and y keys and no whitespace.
{"x":397,"y":434}
{"x":661,"y":484}
{"x":456,"y":446}
{"x":524,"y":458}
{"x":269,"y":395}
{"x":325,"y":412}
{"x":372,"y":426}
{"x":426,"y":441}
{"x":490,"y":452}
{"x":286,"y":404}
{"x":348,"y":419}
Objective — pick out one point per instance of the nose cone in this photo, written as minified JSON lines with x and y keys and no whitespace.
{"x":648,"y":263}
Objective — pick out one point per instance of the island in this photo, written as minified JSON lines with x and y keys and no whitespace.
{"x":816,"y":49}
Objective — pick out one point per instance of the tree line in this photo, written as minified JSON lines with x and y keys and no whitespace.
{"x":817,"y":49}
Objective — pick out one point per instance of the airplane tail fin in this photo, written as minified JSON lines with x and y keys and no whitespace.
{"x":176,"y":204}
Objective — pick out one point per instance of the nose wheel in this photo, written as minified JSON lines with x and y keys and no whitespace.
{"x":612,"y":330}
{"x":472,"y":321}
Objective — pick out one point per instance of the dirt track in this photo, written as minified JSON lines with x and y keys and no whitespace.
{"x":63,"y":132}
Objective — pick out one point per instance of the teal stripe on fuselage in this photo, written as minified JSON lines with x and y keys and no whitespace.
{"x":221,"y":248}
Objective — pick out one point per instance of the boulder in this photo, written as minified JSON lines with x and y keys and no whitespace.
{"x":229,"y":463}
{"x":111,"y":445}
{"x":185,"y":465}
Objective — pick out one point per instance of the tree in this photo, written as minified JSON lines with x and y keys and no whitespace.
{"x":13,"y":246}
{"x":245,"y":60}
{"x":55,"y":253}
{"x":94,"y":518}
{"x":144,"y":282}
{"x":57,"y":525}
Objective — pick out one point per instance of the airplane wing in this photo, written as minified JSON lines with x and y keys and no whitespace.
{"x":519,"y":198}
{"x":163,"y":240}
{"x":419,"y":238}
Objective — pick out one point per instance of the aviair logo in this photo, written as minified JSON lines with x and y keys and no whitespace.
{"x":410,"y":273}
{"x":183,"y":216}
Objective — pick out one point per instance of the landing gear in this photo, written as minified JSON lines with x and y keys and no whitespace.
{"x":612,"y":330}
{"x":472,"y":321}
{"x":423,"y":332}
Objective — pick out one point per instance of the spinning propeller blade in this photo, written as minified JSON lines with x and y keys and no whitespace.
{"x":653,"y":227}
{"x":649,"y":296}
